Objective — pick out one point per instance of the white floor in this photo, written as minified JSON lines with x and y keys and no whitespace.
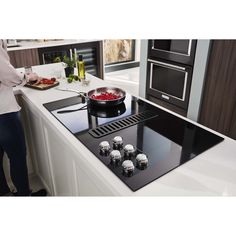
{"x":125,"y":79}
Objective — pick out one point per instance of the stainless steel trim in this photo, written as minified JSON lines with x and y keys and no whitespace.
{"x":164,"y":96}
{"x":173,"y":68}
{"x":71,"y":54}
{"x":167,"y":64}
{"x":183,"y":54}
{"x":43,"y":58}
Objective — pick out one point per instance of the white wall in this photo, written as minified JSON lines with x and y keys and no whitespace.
{"x":137,"y":49}
{"x":200,"y":65}
{"x":143,"y":67}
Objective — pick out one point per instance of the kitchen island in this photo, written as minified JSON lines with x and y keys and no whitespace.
{"x":67,"y":168}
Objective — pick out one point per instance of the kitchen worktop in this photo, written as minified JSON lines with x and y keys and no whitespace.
{"x":43,"y":44}
{"x":211,"y":173}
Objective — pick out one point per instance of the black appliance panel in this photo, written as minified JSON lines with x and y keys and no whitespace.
{"x":153,"y":139}
{"x":169,"y":82}
{"x":167,"y":140}
{"x":175,"y":46}
{"x":180,"y":51}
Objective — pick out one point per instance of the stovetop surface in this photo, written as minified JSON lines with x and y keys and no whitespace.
{"x":167,"y":141}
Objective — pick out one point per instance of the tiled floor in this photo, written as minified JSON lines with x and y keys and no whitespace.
{"x":126,"y":79}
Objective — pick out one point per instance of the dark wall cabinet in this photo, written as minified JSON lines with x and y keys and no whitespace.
{"x":218,"y":110}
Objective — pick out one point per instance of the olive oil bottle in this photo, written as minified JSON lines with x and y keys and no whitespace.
{"x":81,"y":68}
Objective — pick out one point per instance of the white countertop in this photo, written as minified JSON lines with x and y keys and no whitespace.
{"x":210,"y":173}
{"x":38,"y":44}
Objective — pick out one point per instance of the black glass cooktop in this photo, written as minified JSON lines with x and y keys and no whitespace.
{"x":166,"y":140}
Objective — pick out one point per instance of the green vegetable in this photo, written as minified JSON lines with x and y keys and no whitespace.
{"x":69,"y":80}
{"x":76,"y":78}
{"x":73,"y":77}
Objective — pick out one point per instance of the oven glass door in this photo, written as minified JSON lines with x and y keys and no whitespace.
{"x":169,"y":82}
{"x":168,"y":79}
{"x":173,"y":46}
{"x":181,"y":51}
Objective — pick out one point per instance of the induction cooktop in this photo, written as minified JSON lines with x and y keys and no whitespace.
{"x":137,"y":141}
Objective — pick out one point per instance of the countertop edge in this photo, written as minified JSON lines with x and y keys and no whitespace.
{"x":35,"y":45}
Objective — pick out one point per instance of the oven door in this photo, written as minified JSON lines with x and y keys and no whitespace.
{"x":177,"y":50}
{"x":169,"y":82}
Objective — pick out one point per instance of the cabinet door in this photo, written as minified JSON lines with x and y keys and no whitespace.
{"x":22,"y":58}
{"x":61,"y":158}
{"x":86,"y":185}
{"x":89,"y":185}
{"x":40,"y":152}
{"x":218,"y":110}
{"x":37,"y":146}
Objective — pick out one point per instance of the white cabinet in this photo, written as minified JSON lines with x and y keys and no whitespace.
{"x":37,"y":146}
{"x":88,"y":184}
{"x":62,"y":168}
{"x":39,"y":150}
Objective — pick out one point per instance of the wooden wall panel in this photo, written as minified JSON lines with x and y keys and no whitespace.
{"x":22,"y":58}
{"x":218,"y":110}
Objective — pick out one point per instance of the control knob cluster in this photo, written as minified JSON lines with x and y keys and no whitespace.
{"x":129,"y":154}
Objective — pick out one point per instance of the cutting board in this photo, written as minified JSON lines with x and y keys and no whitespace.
{"x":42,"y":86}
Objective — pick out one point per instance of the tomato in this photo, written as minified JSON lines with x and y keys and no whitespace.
{"x":105,"y":96}
{"x":46,"y":81}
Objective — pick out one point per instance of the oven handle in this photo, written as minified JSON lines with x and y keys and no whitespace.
{"x":167,"y":64}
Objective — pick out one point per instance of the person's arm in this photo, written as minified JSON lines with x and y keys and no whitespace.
{"x":9,"y":76}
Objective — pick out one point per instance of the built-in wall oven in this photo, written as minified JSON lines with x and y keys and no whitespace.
{"x":169,"y":70}
{"x":170,"y":82}
{"x":178,"y":50}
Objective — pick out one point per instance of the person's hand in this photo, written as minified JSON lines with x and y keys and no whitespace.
{"x":33,"y":77}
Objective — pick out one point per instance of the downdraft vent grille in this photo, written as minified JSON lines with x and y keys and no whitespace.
{"x":121,"y":124}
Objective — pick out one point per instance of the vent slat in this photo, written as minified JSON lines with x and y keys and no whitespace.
{"x":121,"y":124}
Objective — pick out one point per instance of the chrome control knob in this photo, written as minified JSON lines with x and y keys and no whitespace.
{"x":128,"y":167}
{"x":115,"y":156}
{"x":104,"y":147}
{"x":142,"y":161}
{"x":129,"y":150}
{"x":117,"y":142}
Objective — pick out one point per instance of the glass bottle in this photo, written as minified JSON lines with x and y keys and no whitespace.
{"x":81,"y":68}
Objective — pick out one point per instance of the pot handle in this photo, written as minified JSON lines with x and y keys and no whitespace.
{"x":83,"y":94}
